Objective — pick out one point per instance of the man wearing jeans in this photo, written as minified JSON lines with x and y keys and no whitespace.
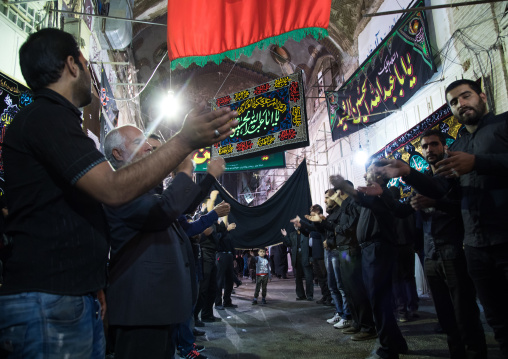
{"x":478,"y":163}
{"x":56,"y":180}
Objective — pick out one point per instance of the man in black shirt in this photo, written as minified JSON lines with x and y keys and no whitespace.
{"x":375,"y":234}
{"x":478,"y":162}
{"x":55,"y":181}
{"x":445,"y":263}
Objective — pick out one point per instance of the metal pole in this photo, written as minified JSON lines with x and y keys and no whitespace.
{"x":106,"y":17}
{"x":431,"y":7}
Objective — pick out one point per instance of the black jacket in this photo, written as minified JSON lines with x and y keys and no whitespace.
{"x":484,"y":191}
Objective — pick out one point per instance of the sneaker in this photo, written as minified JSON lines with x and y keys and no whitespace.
{"x":263,"y":301}
{"x":335,"y":319}
{"x":198,"y":348}
{"x":343,"y":323}
{"x":255,"y":301}
{"x":363,"y":336}
{"x":193,"y":354}
{"x":229,"y":305}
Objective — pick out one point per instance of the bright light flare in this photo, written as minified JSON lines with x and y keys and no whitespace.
{"x":361,"y":156}
{"x":170,"y":106}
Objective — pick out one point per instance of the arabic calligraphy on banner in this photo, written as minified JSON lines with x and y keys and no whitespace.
{"x":407,"y":146}
{"x":272,"y":118}
{"x":13,"y":97}
{"x":396,"y":70}
{"x":274,"y":160}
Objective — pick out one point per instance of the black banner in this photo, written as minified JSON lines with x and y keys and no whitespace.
{"x":386,"y":80}
{"x":407,"y":146}
{"x":272,"y":118}
{"x":13,"y":97}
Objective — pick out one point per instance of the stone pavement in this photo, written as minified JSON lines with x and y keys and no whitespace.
{"x":286,"y":328}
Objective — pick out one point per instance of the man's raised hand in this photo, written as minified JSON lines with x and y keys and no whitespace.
{"x":200,"y":128}
{"x":283,"y":231}
{"x":216,"y":166}
{"x":222,"y":209}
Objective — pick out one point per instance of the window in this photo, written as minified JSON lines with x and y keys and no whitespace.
{"x":24,"y":17}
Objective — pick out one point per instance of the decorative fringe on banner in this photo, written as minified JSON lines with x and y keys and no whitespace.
{"x":279,"y":40}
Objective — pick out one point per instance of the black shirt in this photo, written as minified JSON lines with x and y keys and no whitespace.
{"x":59,"y":233}
{"x":346,"y":227}
{"x":484,"y":191}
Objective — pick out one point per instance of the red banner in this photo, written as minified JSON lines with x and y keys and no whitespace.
{"x":201,"y":31}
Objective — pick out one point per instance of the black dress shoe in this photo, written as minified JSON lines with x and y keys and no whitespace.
{"x":301,"y":298}
{"x":239,"y":284}
{"x":197,"y":332}
{"x":198,"y":323}
{"x":230,"y":305}
{"x":210,"y":319}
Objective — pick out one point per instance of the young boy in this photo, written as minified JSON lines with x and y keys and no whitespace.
{"x":262,"y":275}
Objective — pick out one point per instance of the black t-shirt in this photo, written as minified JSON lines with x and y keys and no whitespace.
{"x":60,"y":234}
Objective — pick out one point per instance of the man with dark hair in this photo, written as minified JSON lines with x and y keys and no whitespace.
{"x":478,"y":163}
{"x":375,"y":236}
{"x":445,"y":263}
{"x":56,"y":180}
{"x":317,"y":252}
{"x":342,"y":317}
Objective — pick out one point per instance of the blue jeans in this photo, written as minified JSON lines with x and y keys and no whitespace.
{"x":335,"y":284}
{"x":44,"y":326}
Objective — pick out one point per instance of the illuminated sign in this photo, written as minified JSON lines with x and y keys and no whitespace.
{"x":272,"y":118}
{"x":274,"y":160}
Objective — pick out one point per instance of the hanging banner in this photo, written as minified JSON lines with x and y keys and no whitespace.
{"x":13,"y":97}
{"x":107,"y":98}
{"x":407,"y":147}
{"x":272,"y":118}
{"x":194,"y":35}
{"x":390,"y":76}
{"x":275,"y":160}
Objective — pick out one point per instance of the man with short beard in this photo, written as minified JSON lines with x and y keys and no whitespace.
{"x":478,"y":160}
{"x":445,"y":263}
{"x":55,"y":182}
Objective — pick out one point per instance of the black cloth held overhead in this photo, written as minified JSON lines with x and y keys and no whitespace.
{"x":60,"y":235}
{"x":259,"y":227}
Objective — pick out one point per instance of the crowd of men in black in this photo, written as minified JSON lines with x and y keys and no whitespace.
{"x":72,"y":207}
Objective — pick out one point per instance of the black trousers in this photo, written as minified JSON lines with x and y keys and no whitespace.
{"x":350,"y":262}
{"x":404,"y":282}
{"x":302,"y":272}
{"x":488,"y":268}
{"x":224,"y":262}
{"x":377,"y":265}
{"x":455,"y":301}
{"x":261,"y":282}
{"x":139,"y":342}
{"x":319,"y":267}
{"x":207,"y":290}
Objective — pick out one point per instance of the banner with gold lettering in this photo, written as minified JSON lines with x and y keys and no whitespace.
{"x":274,"y":160}
{"x":272,"y":118}
{"x":407,"y":146}
{"x":13,"y":97}
{"x":387,"y":79}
